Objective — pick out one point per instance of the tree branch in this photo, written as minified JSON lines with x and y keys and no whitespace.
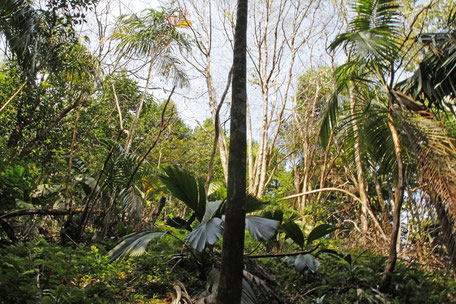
{"x":273,"y":255}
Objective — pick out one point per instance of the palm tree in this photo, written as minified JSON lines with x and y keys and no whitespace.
{"x":373,"y":40}
{"x":230,"y":284}
{"x":378,"y":52}
{"x":432,"y":88}
{"x":154,"y":36}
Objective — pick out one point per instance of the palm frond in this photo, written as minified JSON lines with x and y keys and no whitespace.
{"x":151,"y":36}
{"x":134,"y":244}
{"x":372,"y":33}
{"x":441,"y":185}
{"x":132,"y":202}
{"x":186,"y":188}
{"x":329,"y":118}
{"x":171,"y":67}
{"x":435,"y":77}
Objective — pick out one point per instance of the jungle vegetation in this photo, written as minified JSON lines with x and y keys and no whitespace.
{"x":207,"y":151}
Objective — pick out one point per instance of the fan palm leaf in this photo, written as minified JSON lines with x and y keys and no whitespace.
{"x":186,"y":188}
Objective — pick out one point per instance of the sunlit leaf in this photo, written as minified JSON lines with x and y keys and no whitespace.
{"x":134,"y":244}
{"x":205,"y":234}
{"x":260,"y":228}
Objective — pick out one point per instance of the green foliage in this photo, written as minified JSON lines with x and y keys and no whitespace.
{"x":42,"y":271}
{"x":48,"y":273}
{"x":15,"y":187}
{"x":351,"y":278}
{"x":319,"y":232}
{"x":185,"y":187}
{"x":191,"y":191}
{"x":292,"y":230}
{"x":151,"y":35}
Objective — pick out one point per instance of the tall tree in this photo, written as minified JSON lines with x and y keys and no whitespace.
{"x":374,"y":39}
{"x":202,"y":60}
{"x":151,"y":37}
{"x":282,"y":30}
{"x":230,"y":286}
{"x":381,"y":49}
{"x":41,"y":42}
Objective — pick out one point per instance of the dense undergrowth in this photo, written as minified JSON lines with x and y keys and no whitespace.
{"x":40,"y":271}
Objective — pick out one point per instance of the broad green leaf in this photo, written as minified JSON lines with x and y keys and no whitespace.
{"x":211,"y":210}
{"x":253,"y":204}
{"x":177,"y":222}
{"x":186,"y":188}
{"x":209,"y":231}
{"x":277,"y":215}
{"x":293,"y":231}
{"x":319,"y":232}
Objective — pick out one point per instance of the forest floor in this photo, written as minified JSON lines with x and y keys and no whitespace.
{"x":41,"y":271}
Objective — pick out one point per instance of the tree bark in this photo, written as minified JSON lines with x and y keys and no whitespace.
{"x":223,"y":149}
{"x":398,"y":200}
{"x":359,"y":165}
{"x":230,"y":285}
{"x":134,"y":123}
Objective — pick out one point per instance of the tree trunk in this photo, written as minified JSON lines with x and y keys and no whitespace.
{"x":230,"y":285}
{"x":398,"y":199}
{"x":325,"y":165}
{"x":359,"y":165}
{"x":223,"y":149}
{"x":250,"y":147}
{"x":134,"y":123}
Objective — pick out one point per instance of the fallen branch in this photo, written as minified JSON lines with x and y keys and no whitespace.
{"x":369,"y":210}
{"x":273,"y":255}
{"x":322,"y":190}
{"x":23,"y":212}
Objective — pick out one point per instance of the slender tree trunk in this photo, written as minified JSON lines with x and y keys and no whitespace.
{"x":398,"y":200}
{"x":132,"y":130}
{"x":359,"y":165}
{"x":260,"y":160}
{"x":70,"y":163}
{"x":250,"y":147}
{"x":218,"y":127}
{"x":325,"y":165}
{"x":221,"y":140}
{"x":230,"y":285}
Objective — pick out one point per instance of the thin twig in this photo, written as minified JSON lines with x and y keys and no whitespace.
{"x":14,"y":95}
{"x":154,"y":143}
